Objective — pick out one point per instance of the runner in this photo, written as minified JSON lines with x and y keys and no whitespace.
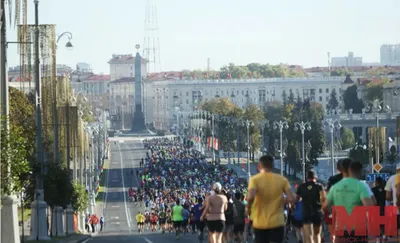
{"x":147,"y":221}
{"x":215,"y":209}
{"x":177,"y":217}
{"x":197,"y":212}
{"x":312,"y":195}
{"x":350,"y":192}
{"x":391,"y":193}
{"x":228,"y":229}
{"x":239,"y":217}
{"x":297,"y":220}
{"x":154,"y":220}
{"x":266,"y":191}
{"x":332,"y":181}
{"x":163,"y":220}
{"x":140,"y":221}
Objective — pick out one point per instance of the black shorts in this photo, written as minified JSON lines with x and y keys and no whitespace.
{"x":140,"y":223}
{"x":313,"y":219}
{"x":215,"y":226}
{"x":177,"y":224}
{"x":297,"y":223}
{"x":185,"y":222}
{"x":275,"y":235}
{"x":238,"y":228}
{"x":154,"y":223}
{"x":200,"y":225}
{"x":162,"y":221}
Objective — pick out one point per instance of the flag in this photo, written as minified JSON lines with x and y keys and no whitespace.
{"x":181,"y":76}
{"x":229,"y":76}
{"x":205,"y":75}
{"x":238,"y":76}
{"x":217,"y":76}
{"x":193,"y":76}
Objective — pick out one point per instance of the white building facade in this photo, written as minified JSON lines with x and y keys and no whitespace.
{"x":123,"y":66}
{"x":186,"y":95}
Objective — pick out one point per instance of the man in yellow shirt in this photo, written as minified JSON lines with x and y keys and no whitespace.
{"x":265,"y":202}
{"x":140,"y":221}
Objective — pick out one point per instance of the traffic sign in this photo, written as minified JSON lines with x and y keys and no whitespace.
{"x":372,"y":177}
{"x":378,"y":167}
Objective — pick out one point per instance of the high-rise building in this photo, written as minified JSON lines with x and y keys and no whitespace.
{"x":349,"y":61}
{"x":390,"y":54}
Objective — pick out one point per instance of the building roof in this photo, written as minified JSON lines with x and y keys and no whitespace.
{"x":121,"y":58}
{"x":97,"y":77}
{"x":351,"y":69}
{"x":123,"y":80}
{"x":173,"y":75}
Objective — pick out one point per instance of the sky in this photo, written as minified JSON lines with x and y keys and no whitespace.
{"x":239,"y":32}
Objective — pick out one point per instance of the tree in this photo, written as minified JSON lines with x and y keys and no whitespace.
{"x":391,"y":156}
{"x":358,"y":153}
{"x":80,"y":198}
{"x":351,"y":100}
{"x":333,"y":102}
{"x":347,"y":138}
{"x":340,"y":72}
{"x":254,"y":115}
{"x":14,"y":154}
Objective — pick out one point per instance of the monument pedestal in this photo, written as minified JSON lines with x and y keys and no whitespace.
{"x":70,"y":220}
{"x":39,"y":218}
{"x":9,"y":220}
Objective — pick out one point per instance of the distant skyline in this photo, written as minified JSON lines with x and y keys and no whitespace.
{"x":264,"y":31}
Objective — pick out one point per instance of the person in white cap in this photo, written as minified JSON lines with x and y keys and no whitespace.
{"x":391,"y":191}
{"x":215,"y":212}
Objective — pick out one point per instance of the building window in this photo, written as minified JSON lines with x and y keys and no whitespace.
{"x":320,"y":91}
{"x":327,"y":91}
{"x":261,"y":95}
{"x":320,"y":98}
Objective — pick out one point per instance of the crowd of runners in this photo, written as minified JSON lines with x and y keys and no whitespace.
{"x":184,"y":193}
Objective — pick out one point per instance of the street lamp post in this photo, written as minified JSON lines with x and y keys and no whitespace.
{"x":212,"y":135}
{"x":248,"y":124}
{"x":263,"y":124}
{"x":376,"y":107}
{"x":38,"y":221}
{"x":303,"y":126}
{"x":228,"y":121}
{"x":332,"y":124}
{"x":281,"y":125}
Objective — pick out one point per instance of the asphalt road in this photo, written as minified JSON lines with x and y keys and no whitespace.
{"x":119,"y":213}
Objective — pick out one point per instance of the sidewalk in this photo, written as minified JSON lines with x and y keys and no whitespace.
{"x":73,"y":238}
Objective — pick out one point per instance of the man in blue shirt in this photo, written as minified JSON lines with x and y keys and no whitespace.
{"x":197,"y":211}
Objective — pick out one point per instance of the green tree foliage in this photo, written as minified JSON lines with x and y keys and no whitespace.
{"x":223,"y":107}
{"x":358,"y":153}
{"x":57,"y":185}
{"x":333,"y":102}
{"x":347,"y":138}
{"x":14,"y":154}
{"x":351,"y":100}
{"x":80,"y":198}
{"x":252,"y":70}
{"x":17,"y":143}
{"x":391,"y":156}
{"x":255,"y":116}
{"x":340,"y":72}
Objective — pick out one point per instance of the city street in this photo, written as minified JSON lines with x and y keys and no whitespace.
{"x":119,"y":213}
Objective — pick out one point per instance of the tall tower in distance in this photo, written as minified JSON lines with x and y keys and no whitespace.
{"x":151,"y":45}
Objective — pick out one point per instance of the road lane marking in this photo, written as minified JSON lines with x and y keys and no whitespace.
{"x":114,"y":217}
{"x":123,"y":187}
{"x":87,"y":240}
{"x":115,"y":206}
{"x":129,"y":213}
{"x":115,"y":222}
{"x":147,"y":240}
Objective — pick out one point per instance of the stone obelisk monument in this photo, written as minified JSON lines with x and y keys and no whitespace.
{"x":138,"y":121}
